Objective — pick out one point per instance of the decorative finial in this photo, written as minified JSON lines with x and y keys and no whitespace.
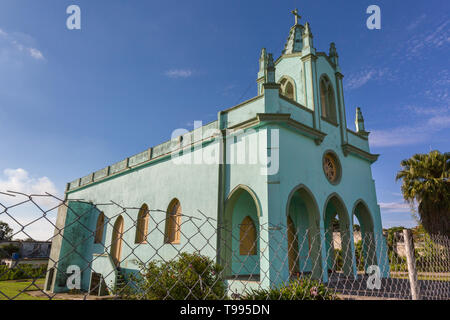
{"x":333,"y":51}
{"x":297,"y":16}
{"x":271,"y":63}
{"x":263,"y":53}
{"x":270,"y":69}
{"x":359,"y":122}
{"x":307,"y":29}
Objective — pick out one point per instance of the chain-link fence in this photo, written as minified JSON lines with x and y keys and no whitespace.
{"x":110,"y":251}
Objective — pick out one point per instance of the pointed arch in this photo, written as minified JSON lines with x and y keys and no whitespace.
{"x":173,"y":222}
{"x":335,"y":206}
{"x":303,"y":216}
{"x":100,"y":226}
{"x":142,"y":224}
{"x":287,"y":87}
{"x":327,"y":99}
{"x":362,"y":213}
{"x":236,"y":192}
{"x":241,"y":207}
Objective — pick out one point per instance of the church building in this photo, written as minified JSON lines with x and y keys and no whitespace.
{"x":279,"y":167}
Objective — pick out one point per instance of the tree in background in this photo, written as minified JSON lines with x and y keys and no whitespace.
{"x":5,"y":231}
{"x":425,"y":180}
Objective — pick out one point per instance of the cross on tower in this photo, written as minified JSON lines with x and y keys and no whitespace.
{"x":297,"y":16}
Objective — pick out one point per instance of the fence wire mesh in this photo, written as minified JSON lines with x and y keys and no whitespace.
{"x":110,"y":251}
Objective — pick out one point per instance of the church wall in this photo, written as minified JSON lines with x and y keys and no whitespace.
{"x":301,"y":162}
{"x":235,"y":116}
{"x":357,"y":141}
{"x":292,"y":67}
{"x":298,"y":114}
{"x":194,"y":185}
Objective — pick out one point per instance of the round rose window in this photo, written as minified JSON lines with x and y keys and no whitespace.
{"x":331,"y":168}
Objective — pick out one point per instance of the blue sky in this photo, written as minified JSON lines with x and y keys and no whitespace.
{"x":72,"y":102}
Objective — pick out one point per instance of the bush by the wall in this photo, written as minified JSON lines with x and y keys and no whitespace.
{"x":190,"y":277}
{"x":301,"y":289}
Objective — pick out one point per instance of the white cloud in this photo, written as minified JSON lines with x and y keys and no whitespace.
{"x":12,"y":45}
{"x":431,"y":121}
{"x":416,"y":22}
{"x":407,"y":135}
{"x":19,"y":180}
{"x":26,"y":217}
{"x":179,"y":73}
{"x":437,"y":38}
{"x":35,"y":53}
{"x":395,"y":207}
{"x":359,"y":79}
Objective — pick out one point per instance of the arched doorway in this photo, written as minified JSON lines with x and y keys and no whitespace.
{"x":338,"y":236}
{"x":303,"y":233}
{"x":365,"y":253}
{"x":240,"y":250}
{"x":116,"y":241}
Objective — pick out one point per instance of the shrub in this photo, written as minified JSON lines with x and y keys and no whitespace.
{"x":22,"y":271}
{"x":301,"y":289}
{"x":190,"y":277}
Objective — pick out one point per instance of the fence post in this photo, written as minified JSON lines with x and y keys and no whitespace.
{"x":411,"y":261}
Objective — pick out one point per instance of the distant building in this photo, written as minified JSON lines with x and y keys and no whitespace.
{"x":29,"y":252}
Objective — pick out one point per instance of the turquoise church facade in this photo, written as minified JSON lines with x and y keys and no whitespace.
{"x":283,"y":159}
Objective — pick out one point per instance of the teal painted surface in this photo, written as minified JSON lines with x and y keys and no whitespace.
{"x":77,"y":244}
{"x":156,"y":180}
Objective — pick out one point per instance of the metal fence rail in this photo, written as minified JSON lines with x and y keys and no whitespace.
{"x":141,"y":253}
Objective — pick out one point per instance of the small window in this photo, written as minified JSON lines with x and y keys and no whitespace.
{"x":247,"y":237}
{"x":142,"y":224}
{"x":327,"y":99}
{"x":99,"y":228}
{"x":173,"y":222}
{"x":287,"y":88}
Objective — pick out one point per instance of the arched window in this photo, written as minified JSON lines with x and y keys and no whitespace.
{"x":173,"y":222}
{"x":116,"y":240}
{"x":327,"y":99}
{"x":142,"y":224}
{"x":247,"y":237}
{"x":287,"y":88}
{"x":99,"y":228}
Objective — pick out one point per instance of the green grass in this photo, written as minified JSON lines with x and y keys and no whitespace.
{"x":17,"y":289}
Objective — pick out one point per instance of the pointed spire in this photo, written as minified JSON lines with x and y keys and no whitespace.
{"x":263,"y":55}
{"x":308,"y":37}
{"x":308,"y":32}
{"x":262,"y":63}
{"x":294,"y":41}
{"x":270,"y":69}
{"x":359,"y":123}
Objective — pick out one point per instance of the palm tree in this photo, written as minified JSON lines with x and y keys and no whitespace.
{"x":426,"y":181}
